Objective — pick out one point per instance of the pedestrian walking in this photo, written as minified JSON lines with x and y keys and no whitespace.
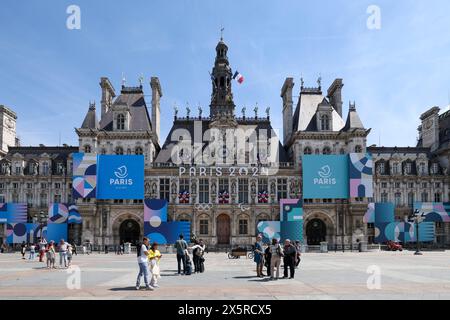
{"x":63,"y":253}
{"x":23,"y":249}
{"x":181,"y":247}
{"x":153,"y":259}
{"x":290,"y":254}
{"x":69,"y":255}
{"x":142,"y":258}
{"x":259,"y":256}
{"x":298,"y":247}
{"x":74,"y":249}
{"x":277,"y":254}
{"x":42,"y":247}
{"x":32,"y":248}
{"x":4,"y":248}
{"x":51,"y":255}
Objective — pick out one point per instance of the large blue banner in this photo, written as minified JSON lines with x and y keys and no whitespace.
{"x":325,"y":177}
{"x":120,"y":177}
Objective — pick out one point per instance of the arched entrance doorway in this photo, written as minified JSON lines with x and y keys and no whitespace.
{"x":129,"y":231}
{"x":316,"y":232}
{"x":223,"y":229}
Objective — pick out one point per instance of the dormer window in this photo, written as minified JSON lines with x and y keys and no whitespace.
{"x":120,"y":122}
{"x":45,"y":168}
{"x":325,"y":123}
{"x":435,"y":168}
{"x":358,"y":149}
{"x":87,"y":149}
{"x":307,"y":151}
{"x":139,"y":151}
{"x":326,"y":151}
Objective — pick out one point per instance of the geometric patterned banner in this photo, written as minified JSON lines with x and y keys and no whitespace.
{"x":84,"y":175}
{"x":13,"y":212}
{"x":23,"y":232}
{"x":269,"y":230}
{"x":58,"y":213}
{"x":434,"y":212}
{"x":360,"y":174}
{"x":156,"y":227}
{"x":291,"y":216}
{"x":74,"y":215}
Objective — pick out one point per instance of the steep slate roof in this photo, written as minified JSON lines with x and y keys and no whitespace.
{"x":134,"y":99}
{"x":90,"y":121}
{"x":353,"y":120}
{"x":187,"y":126}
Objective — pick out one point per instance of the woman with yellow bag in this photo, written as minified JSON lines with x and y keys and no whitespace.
{"x":153,"y":259}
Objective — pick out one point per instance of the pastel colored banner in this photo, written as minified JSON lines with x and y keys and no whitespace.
{"x":361,"y":175}
{"x":269,"y":230}
{"x":13,"y":213}
{"x":84,"y":175}
{"x":167,"y":232}
{"x":74,"y":215}
{"x":155,"y":211}
{"x":434,"y":211}
{"x":23,"y":232}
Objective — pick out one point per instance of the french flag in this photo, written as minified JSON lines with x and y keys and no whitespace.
{"x":238,"y":77}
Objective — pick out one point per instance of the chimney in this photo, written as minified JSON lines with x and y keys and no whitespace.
{"x":156,"y":96}
{"x":108,"y":93}
{"x":286,"y":95}
{"x":335,"y":95}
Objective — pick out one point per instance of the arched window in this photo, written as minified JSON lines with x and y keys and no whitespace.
{"x":103,"y":151}
{"x":317,"y":151}
{"x":119,"y":151}
{"x":326,"y":150}
{"x":45,"y":168}
{"x":307,"y":150}
{"x":139,"y":151}
{"x":342,"y":151}
{"x":120,"y":122}
{"x":87,"y":149}
{"x":325,"y":122}
{"x":358,"y":149}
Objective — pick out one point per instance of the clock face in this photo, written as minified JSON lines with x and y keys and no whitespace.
{"x":428,"y":124}
{"x":9,"y":124}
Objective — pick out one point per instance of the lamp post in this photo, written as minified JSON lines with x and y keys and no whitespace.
{"x":417,"y":218}
{"x":41,"y":218}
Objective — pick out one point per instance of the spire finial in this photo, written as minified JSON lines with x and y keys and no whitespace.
{"x":221,"y":33}
{"x":319,"y":81}
{"x":141,"y":79}
{"x":124,"y":81}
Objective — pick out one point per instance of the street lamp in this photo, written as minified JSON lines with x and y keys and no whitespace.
{"x":417,"y":218}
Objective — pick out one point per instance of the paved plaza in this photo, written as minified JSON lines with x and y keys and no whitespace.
{"x":321,"y":276}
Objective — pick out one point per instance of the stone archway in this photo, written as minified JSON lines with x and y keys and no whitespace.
{"x":324,"y":227}
{"x":130,"y":231}
{"x":123,"y":231}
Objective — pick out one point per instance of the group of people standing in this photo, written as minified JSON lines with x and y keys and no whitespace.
{"x":49,"y":250}
{"x":198,"y":251}
{"x":271,"y":256}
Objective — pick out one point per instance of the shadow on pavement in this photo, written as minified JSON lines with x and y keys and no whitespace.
{"x":244,"y":277}
{"x":126,"y":289}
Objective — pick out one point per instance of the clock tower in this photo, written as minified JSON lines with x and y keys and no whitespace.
{"x":8,"y":120}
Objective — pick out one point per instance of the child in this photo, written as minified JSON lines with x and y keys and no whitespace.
{"x":154,"y":256}
{"x":188,"y":270}
{"x":69,"y":255}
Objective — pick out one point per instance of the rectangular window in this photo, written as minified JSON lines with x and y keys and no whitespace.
{"x":411,"y":185}
{"x":263,"y":185}
{"x":384,"y":184}
{"x":282,"y":189}
{"x":15,"y":198}
{"x":18,"y":170}
{"x":57,"y":185}
{"x":204,"y":227}
{"x":243,"y":226}
{"x":43,"y":186}
{"x":424,"y":185}
{"x":384,"y":198}
{"x":203,"y":191}
{"x":164,"y":189}
{"x":437,"y":185}
{"x":2,"y":186}
{"x":398,"y":199}
{"x":243,"y":190}
{"x":437,"y":197}
{"x":410,"y":199}
{"x":371,"y":226}
{"x":224,"y":185}
{"x":15,"y":185}
{"x":43,"y":200}
{"x":2,"y":198}
{"x":57,"y":198}
{"x":184,"y":185}
{"x":29,"y":186}
{"x":424,"y":197}
{"x":397,"y":185}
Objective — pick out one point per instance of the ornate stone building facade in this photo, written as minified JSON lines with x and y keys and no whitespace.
{"x":224,"y":191}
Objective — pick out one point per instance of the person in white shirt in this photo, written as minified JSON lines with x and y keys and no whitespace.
{"x":69,"y":255}
{"x":62,"y":253}
{"x":275,"y":261}
{"x":142,"y":257}
{"x":32,"y":251}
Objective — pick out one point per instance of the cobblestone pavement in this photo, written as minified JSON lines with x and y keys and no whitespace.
{"x":320,"y":276}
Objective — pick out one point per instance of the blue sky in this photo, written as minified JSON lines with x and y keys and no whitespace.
{"x":48,"y":73}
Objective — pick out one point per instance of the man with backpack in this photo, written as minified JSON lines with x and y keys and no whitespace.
{"x":142,"y":253}
{"x":181,"y":246}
